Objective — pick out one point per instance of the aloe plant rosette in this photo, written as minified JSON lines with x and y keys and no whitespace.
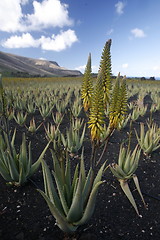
{"x":73,"y":203}
{"x":125,"y":170}
{"x":16,"y":167}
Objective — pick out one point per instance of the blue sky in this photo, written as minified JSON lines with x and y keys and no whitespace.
{"x":66,"y":31}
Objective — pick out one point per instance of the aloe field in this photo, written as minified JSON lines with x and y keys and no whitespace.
{"x":79,"y":157}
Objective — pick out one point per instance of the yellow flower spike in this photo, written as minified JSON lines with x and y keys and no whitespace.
{"x":118,"y":104}
{"x":87,"y":86}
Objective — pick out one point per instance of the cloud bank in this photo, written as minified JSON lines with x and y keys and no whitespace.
{"x":48,"y":14}
{"x":120,"y":7}
{"x":57,"y":42}
{"x":138,"y":33}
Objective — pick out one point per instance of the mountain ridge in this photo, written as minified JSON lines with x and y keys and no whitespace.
{"x":13,"y":64}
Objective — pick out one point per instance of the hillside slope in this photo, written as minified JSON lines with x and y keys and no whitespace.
{"x":14,"y":64}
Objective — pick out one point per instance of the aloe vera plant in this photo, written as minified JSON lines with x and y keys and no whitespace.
{"x":149,"y":141}
{"x":135,"y":113}
{"x":76,"y":108}
{"x":30,"y":107}
{"x":73,"y":141}
{"x":32,"y":126}
{"x":51,"y":132}
{"x":125,"y":170}
{"x":16,"y":167}
{"x":20,"y":118}
{"x":45,"y":110}
{"x":3,"y":144}
{"x":57,"y":118}
{"x":153,"y":108}
{"x":143,"y":110}
{"x":61,"y":106}
{"x":123,"y":123}
{"x":10,"y":113}
{"x":76,"y":123}
{"x":70,"y":200}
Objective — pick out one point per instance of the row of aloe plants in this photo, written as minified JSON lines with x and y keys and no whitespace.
{"x":72,"y":197}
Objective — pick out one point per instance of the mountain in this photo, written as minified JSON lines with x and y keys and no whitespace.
{"x":15,"y":65}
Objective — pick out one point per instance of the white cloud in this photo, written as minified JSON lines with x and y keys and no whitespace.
{"x":125,"y":65}
{"x":95,"y":69}
{"x":23,"y":2}
{"x":10,"y":15}
{"x":120,"y":7}
{"x":82,"y":68}
{"x":24,"y":41}
{"x":41,"y":58}
{"x":48,"y":13}
{"x":138,"y":33}
{"x":57,"y":42}
{"x":110,"y":31}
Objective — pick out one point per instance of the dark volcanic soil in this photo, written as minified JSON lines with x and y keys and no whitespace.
{"x":24,"y":214}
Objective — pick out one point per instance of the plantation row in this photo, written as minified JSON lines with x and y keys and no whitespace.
{"x":71,"y":113}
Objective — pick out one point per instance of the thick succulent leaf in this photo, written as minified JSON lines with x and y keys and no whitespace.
{"x":23,"y":153}
{"x":135,"y":156}
{"x":138,"y":188}
{"x":4,"y":172}
{"x":121,"y":158}
{"x":60,"y":219}
{"x":149,"y":149}
{"x":68,"y":173}
{"x":88,"y":186}
{"x":142,"y":134}
{"x":126,"y":190}
{"x":115,"y":173}
{"x":155,"y":148}
{"x":61,"y":193}
{"x":90,"y":205}
{"x":75,"y":177}
{"x":133,"y":168}
{"x":12,"y":167}
{"x":49,"y":187}
{"x":127,"y":163}
{"x":147,"y":140}
{"x":119,"y":171}
{"x":75,"y":187}
{"x":99,"y":174}
{"x":76,"y":209}
{"x":82,"y":136}
{"x":22,"y":176}
{"x":57,"y":168}
{"x":67,"y":194}
{"x":82,"y":169}
{"x":29,"y":164}
{"x":4,"y":161}
{"x":140,"y":141}
{"x":156,"y":140}
{"x":134,"y":161}
{"x":68,"y":188}
{"x":13,"y":137}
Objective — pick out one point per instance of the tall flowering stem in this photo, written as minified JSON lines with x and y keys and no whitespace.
{"x":106,"y":71}
{"x":87,"y":86}
{"x":118,"y":105}
{"x":97,"y":115}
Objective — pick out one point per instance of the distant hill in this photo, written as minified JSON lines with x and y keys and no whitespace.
{"x":14,"y":65}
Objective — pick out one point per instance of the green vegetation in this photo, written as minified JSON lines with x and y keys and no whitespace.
{"x":73,"y":113}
